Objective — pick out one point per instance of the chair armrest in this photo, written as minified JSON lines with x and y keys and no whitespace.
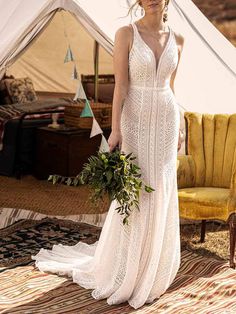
{"x":185,"y":171}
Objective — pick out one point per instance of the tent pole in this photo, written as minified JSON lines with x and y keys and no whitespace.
{"x":96,"y":59}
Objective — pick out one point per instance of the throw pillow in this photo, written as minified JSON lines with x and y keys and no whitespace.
{"x":20,"y":90}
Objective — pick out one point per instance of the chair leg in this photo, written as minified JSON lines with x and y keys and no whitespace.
{"x":203,"y":231}
{"x":232,"y":239}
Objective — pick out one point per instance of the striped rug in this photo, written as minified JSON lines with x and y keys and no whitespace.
{"x":202,"y":285}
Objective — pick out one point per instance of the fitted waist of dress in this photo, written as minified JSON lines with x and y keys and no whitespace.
{"x":156,"y":88}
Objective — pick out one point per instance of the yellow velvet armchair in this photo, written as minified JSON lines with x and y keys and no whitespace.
{"x":207,"y":173}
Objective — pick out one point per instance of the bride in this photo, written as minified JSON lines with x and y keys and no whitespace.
{"x":137,"y":262}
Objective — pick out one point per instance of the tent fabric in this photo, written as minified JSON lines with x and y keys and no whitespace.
{"x":206,"y":78}
{"x":44,"y":60}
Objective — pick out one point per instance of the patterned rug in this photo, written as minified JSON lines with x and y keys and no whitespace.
{"x":25,"y":238}
{"x":203,"y":284}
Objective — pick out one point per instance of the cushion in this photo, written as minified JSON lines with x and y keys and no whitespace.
{"x":5,"y":99}
{"x":203,"y":203}
{"x":20,"y":90}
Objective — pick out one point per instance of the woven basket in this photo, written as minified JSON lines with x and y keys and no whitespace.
{"x":102,"y":113}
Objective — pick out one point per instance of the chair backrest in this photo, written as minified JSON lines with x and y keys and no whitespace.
{"x":211,"y":140}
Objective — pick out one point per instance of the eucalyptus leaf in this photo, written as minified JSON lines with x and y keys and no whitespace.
{"x":148,"y":189}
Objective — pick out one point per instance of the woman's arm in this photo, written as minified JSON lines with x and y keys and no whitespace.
{"x":120,"y":63}
{"x":180,"y":43}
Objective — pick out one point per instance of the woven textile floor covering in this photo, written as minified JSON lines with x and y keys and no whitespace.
{"x":203,"y":284}
{"x":29,"y":198}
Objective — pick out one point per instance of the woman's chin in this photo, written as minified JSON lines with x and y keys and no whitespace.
{"x":153,"y":10}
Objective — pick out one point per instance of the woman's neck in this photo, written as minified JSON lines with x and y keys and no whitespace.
{"x":153,"y":22}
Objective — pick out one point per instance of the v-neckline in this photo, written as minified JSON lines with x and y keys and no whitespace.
{"x":153,"y":55}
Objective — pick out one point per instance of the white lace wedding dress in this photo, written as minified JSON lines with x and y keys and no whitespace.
{"x":136,"y":263}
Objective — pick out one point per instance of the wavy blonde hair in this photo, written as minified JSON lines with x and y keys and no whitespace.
{"x":134,"y":7}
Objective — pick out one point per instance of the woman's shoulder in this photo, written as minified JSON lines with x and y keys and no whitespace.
{"x":124,"y":35}
{"x":124,"y":31}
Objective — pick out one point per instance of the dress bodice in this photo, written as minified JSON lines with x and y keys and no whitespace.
{"x":143,"y":70}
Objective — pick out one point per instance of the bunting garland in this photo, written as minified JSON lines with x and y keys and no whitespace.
{"x":80,"y":94}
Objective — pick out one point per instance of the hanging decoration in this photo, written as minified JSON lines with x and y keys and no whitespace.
{"x":104,"y":147}
{"x":80,"y":94}
{"x":69,"y":55}
{"x":95,"y":129}
{"x":74,"y":73}
{"x":87,"y":111}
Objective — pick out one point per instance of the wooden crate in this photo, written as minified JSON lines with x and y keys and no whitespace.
{"x":64,"y":152}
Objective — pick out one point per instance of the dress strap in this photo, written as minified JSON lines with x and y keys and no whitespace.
{"x":172,"y":34}
{"x":134,"y":34}
{"x":170,"y":30}
{"x":134,"y":27}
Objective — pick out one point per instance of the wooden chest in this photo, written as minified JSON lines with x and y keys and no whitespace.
{"x":64,"y":152}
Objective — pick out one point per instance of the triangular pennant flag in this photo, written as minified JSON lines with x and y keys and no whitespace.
{"x":69,"y":55}
{"x":80,"y":94}
{"x":74,"y":73}
{"x":95,"y":129}
{"x":104,"y":147}
{"x":87,"y":111}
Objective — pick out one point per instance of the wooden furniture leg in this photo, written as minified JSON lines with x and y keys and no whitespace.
{"x":232,"y":239}
{"x":203,"y":231}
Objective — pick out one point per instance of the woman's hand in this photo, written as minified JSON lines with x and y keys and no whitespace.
{"x":179,"y":144}
{"x":115,"y":139}
{"x":181,"y":138}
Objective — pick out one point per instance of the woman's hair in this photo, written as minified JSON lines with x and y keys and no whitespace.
{"x":132,"y":7}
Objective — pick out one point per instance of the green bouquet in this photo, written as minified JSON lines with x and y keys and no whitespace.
{"x":111,"y":173}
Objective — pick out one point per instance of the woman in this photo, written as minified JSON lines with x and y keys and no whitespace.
{"x":139,"y":261}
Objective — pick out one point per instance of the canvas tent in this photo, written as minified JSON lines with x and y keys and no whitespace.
{"x":206,"y":79}
{"x":44,"y":60}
